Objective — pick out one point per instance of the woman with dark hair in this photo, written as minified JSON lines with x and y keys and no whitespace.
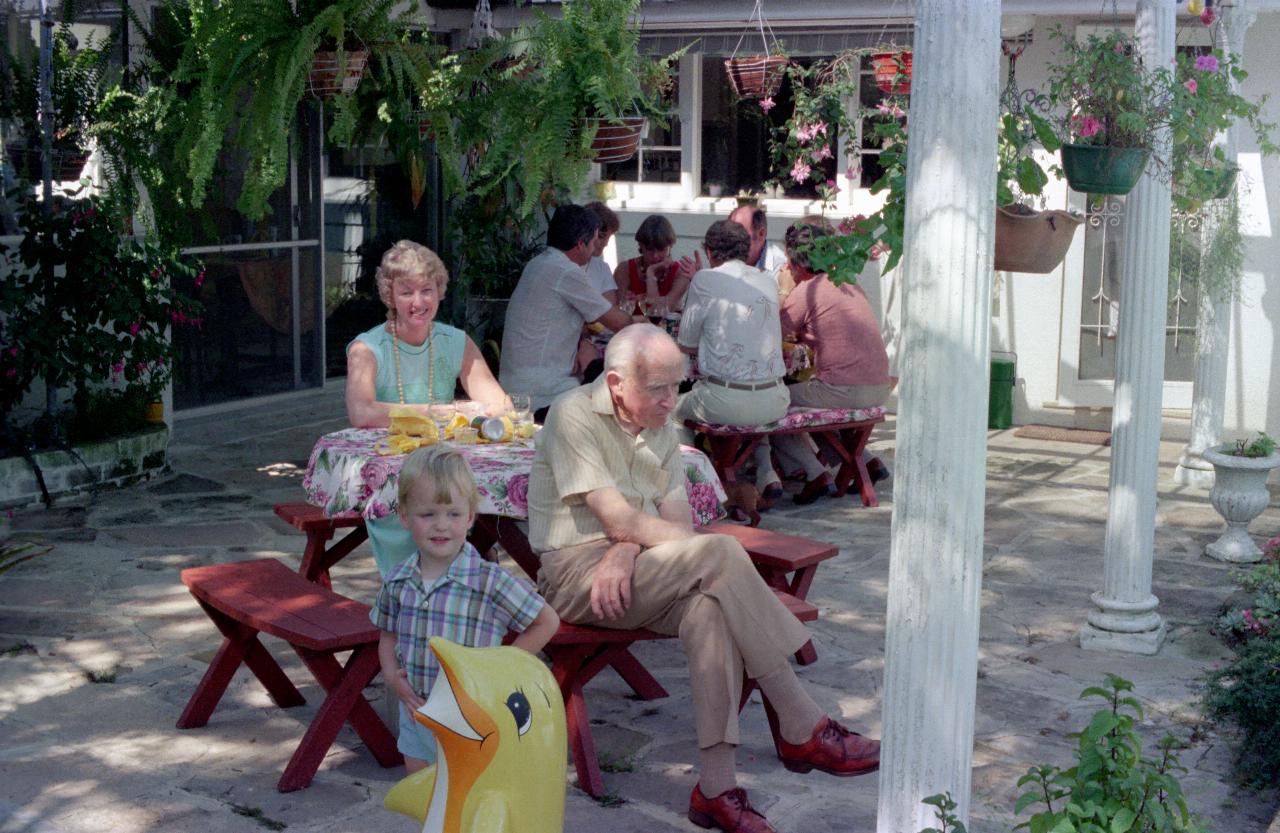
{"x":853,"y":367}
{"x":654,"y":275}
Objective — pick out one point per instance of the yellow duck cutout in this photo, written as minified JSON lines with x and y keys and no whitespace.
{"x":498,"y":719}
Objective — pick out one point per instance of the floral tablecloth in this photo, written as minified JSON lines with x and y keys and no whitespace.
{"x":799,"y":417}
{"x":346,"y":474}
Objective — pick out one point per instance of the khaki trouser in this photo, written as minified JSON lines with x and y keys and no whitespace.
{"x":718,"y":404}
{"x":796,"y":451}
{"x":703,"y":589}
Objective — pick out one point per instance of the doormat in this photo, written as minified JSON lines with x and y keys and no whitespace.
{"x":1063,"y":435}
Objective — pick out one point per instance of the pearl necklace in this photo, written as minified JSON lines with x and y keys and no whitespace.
{"x":431,"y":365}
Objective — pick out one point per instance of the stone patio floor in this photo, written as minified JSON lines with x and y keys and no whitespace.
{"x":102,"y":645}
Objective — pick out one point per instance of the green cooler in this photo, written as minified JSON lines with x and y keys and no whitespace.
{"x":1000,"y":397}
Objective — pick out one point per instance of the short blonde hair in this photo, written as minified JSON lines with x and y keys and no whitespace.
{"x":441,"y":468}
{"x":407,"y":259}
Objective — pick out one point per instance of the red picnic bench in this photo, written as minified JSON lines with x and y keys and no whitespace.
{"x":578,"y":653}
{"x":245,"y":598}
{"x":846,"y":431}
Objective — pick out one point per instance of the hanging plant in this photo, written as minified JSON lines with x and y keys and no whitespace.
{"x":757,"y":76}
{"x":892,"y":72}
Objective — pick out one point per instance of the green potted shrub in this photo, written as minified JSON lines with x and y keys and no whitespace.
{"x":106,"y":318}
{"x":1109,"y":108}
{"x":79,"y":80}
{"x":1240,"y":493}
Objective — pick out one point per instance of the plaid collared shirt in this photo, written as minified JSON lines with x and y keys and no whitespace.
{"x":474,"y":603}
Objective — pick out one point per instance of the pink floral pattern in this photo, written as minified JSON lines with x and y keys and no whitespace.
{"x":798,"y":417}
{"x":345,"y":474}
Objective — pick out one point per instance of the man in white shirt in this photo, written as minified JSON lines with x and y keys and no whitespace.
{"x":548,"y":308}
{"x":598,"y":272}
{"x":762,"y":254}
{"x":731,"y":324}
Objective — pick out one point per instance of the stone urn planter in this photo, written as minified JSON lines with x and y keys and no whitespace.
{"x":1239,"y":494}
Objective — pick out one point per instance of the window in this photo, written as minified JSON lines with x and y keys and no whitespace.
{"x":658,"y":159}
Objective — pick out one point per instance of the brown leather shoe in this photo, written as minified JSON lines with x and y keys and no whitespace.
{"x":833,"y":749}
{"x":814,"y":489}
{"x":730,"y":811}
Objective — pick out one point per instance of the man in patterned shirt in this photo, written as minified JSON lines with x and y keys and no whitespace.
{"x":445,"y":589}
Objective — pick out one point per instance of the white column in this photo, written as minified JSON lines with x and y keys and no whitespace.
{"x":1126,"y":618}
{"x":935,"y":571}
{"x":1213,"y":327}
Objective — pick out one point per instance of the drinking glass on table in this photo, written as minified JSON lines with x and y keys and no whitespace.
{"x":522,"y":414}
{"x":441,"y":414}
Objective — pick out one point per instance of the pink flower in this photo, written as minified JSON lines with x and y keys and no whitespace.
{"x":1087,"y":125}
{"x":117,"y":370}
{"x":13,"y":351}
{"x":1207,"y":17}
{"x":851,"y":173}
{"x":804,"y":133}
{"x":766,"y":104}
{"x":821,"y":153}
{"x":1207,"y":63}
{"x":518,"y":492}
{"x":200,"y":279}
{"x":1191,"y":85}
{"x":134,"y":328}
{"x":800,"y":172}
{"x":702,"y":499}
{"x":820,"y":129}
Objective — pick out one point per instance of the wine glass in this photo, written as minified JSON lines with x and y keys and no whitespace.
{"x":522,"y":414}
{"x":441,"y":414}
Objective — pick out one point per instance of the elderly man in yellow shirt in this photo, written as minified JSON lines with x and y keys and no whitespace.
{"x":609,"y":515}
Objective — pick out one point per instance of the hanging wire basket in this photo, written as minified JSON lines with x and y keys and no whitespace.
{"x":335,"y":73}
{"x":759,"y":75}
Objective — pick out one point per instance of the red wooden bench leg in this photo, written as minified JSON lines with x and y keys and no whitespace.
{"x":565,"y":666}
{"x":344,"y":702}
{"x":634,"y":674}
{"x":771,"y":715}
{"x":317,"y":560}
{"x":240,"y":645}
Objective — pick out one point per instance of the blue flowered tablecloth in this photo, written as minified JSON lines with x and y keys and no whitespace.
{"x":345,"y":474}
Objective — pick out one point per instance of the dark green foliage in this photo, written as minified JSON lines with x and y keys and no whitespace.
{"x":81,"y":304}
{"x":1246,"y":693}
{"x":1262,"y":446}
{"x":944,"y":806}
{"x":248,"y":62}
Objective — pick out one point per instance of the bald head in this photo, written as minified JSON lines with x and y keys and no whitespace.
{"x":639,"y":348}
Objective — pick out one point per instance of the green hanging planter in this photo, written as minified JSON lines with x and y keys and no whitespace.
{"x":1102,"y":169}
{"x":1226,"y":181}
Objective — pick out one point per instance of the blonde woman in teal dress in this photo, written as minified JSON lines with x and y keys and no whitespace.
{"x":410,"y":359}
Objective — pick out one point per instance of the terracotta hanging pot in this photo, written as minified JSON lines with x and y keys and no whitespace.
{"x":756,"y":76}
{"x":331,"y":76}
{"x":617,"y":141}
{"x":1102,"y":169}
{"x":1033,"y":241}
{"x":892,"y":72}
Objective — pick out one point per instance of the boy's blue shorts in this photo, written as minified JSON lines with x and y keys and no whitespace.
{"x":415,"y":740}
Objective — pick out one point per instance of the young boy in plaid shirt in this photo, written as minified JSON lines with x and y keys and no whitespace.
{"x":445,"y":589}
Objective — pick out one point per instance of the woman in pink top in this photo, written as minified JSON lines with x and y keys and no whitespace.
{"x":852,"y":365}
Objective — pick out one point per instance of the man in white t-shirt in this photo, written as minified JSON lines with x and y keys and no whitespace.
{"x":598,"y":272}
{"x":548,"y":308}
{"x":762,"y":254}
{"x":730,"y":322}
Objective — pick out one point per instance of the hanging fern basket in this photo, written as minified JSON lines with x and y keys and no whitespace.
{"x":756,"y":76}
{"x":334,"y":74}
{"x":1226,"y":179}
{"x":892,"y":72}
{"x":67,"y":164}
{"x":617,"y":141}
{"x":1102,"y":169}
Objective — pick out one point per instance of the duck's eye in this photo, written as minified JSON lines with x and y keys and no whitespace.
{"x":520,"y":710}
